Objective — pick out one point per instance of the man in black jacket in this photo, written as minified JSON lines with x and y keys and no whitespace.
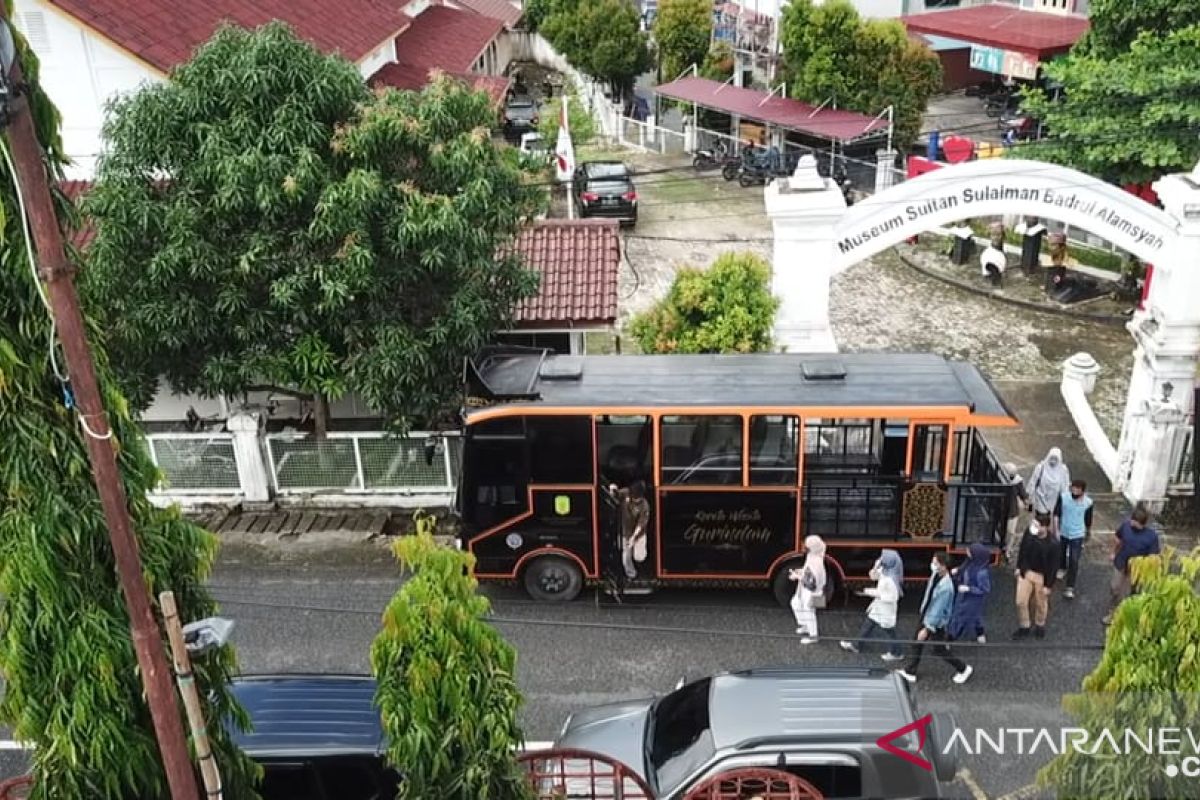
{"x":1037,"y":567}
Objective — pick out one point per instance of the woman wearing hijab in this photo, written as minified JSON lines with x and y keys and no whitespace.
{"x":1018,"y":499}
{"x":974,"y":585}
{"x":888,"y":574}
{"x":810,"y":584}
{"x":1049,"y":479}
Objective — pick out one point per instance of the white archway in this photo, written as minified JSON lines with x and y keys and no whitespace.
{"x":816,"y":236}
{"x":997,"y":187}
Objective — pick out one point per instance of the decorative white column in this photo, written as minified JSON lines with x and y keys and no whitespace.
{"x":247,"y":451}
{"x":1167,"y":335}
{"x":1150,"y":472}
{"x":803,"y":210}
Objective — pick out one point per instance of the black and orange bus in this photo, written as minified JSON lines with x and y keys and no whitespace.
{"x":742,"y":456}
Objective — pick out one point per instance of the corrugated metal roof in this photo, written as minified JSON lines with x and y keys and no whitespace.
{"x":753,"y":104}
{"x":311,"y":715}
{"x":1035,"y":33}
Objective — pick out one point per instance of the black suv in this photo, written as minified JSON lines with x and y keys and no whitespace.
{"x":317,"y":737}
{"x":605,"y":189}
{"x":520,"y":116}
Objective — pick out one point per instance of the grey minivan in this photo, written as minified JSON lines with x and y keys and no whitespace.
{"x":821,"y":724}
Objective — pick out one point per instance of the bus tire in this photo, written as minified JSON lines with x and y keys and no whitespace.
{"x":553,"y":579}
{"x":784,"y":588}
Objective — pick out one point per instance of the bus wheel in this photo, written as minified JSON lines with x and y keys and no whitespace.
{"x":784,"y":588}
{"x":553,"y":579}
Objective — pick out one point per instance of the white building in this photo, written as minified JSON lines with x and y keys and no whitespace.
{"x":94,"y":50}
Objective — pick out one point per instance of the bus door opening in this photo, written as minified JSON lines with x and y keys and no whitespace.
{"x":624,"y":457}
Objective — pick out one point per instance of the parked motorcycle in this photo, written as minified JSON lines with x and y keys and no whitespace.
{"x":734,"y":165}
{"x":999,"y":104}
{"x":763,"y":168}
{"x":712,"y":157}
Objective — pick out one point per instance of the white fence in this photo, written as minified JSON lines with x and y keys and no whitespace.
{"x":650,"y":137}
{"x":195,"y":463}
{"x":353,"y":463}
{"x":350,"y":469}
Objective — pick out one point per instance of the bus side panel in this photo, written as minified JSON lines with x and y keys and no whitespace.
{"x":561,"y":518}
{"x":725,"y":534}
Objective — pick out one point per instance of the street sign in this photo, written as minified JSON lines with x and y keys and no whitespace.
{"x":1003,"y":62}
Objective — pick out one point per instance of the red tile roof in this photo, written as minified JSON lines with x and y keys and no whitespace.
{"x":1034,"y":33}
{"x":824,"y":123}
{"x":446,"y":38}
{"x":578,"y":262}
{"x":414,"y":78}
{"x":165,"y":32}
{"x":502,"y":10}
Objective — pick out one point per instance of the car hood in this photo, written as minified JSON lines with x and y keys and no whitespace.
{"x":616,"y":730}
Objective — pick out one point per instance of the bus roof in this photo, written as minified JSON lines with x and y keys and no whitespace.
{"x":873,"y":384}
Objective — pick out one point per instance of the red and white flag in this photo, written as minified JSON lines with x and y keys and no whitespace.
{"x":564,"y":151}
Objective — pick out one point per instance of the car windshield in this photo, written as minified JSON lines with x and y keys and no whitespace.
{"x":520,"y":103}
{"x":607,"y":172}
{"x":679,"y":739}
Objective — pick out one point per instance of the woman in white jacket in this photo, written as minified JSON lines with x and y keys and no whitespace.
{"x":810,"y":585}
{"x":888,"y":574}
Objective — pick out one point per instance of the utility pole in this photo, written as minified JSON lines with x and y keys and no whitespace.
{"x":58,"y":275}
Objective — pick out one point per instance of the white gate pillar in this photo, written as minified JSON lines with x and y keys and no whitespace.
{"x":1167,"y":337}
{"x":247,"y":450}
{"x":803,"y":210}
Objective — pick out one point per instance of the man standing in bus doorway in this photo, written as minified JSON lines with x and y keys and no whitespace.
{"x":1073,"y":519}
{"x":1037,"y":567}
{"x":635,"y":518}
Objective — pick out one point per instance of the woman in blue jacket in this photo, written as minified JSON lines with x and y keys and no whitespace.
{"x":974,"y":585}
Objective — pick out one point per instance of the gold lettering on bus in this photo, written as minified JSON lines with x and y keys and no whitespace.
{"x":741,"y":527}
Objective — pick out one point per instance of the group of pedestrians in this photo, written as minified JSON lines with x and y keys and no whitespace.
{"x":1049,"y":550}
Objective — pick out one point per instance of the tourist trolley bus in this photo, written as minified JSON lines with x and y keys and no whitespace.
{"x":742,"y":456}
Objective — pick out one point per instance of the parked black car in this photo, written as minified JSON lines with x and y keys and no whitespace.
{"x":520,"y":116}
{"x":317,"y":737}
{"x":605,"y":189}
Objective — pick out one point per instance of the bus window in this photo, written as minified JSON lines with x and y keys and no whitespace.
{"x":701,"y":450}
{"x":625,"y":449}
{"x":495,"y":479}
{"x":841,"y":446}
{"x":560,"y":449}
{"x":773,"y":444}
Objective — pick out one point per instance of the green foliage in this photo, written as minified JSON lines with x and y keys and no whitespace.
{"x":727,"y":308}
{"x":446,"y":692}
{"x":1148,"y":678}
{"x":312,"y":235}
{"x":718,"y":62}
{"x":682,"y":32}
{"x":536,"y":11}
{"x":1115,"y":24}
{"x":602,"y":38}
{"x":831,"y":54}
{"x":1152,"y":89}
{"x":71,"y":681}
{"x":583,"y":125}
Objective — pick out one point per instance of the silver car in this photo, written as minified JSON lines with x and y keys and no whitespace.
{"x":823,"y":725}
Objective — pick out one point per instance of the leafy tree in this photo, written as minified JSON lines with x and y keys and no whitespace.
{"x":1148,"y":678}
{"x":1115,"y":24}
{"x":1152,"y":89}
{"x":446,"y":689}
{"x":718,"y":62}
{"x":71,"y":683}
{"x":536,"y":11}
{"x":682,"y":32}
{"x":727,"y":308}
{"x":602,"y":38}
{"x":311,"y":235}
{"x":583,"y":125}
{"x":832,"y":54}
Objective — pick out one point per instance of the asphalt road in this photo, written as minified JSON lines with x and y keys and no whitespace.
{"x":319,"y":614}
